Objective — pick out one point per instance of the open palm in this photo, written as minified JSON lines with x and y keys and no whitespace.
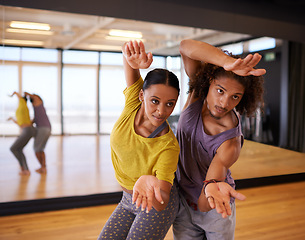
{"x":136,"y":56}
{"x":146,"y":188}
{"x":245,"y":67}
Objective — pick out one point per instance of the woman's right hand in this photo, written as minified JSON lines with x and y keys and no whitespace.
{"x":136,"y":56}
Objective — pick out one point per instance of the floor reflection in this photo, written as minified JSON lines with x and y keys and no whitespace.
{"x":76,"y":165}
{"x":81,"y":165}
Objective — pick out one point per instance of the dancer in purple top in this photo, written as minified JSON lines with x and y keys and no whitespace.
{"x":210,"y":138}
{"x":43,"y":130}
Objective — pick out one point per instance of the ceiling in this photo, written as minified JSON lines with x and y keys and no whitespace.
{"x":89,"y":32}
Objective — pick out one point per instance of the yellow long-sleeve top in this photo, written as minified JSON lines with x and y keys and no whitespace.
{"x":22,"y":113}
{"x":133,"y":155}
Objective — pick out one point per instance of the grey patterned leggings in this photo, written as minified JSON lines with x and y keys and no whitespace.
{"x":19,"y":144}
{"x":127,"y":222}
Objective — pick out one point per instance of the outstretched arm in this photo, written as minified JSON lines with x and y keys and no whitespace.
{"x":217,"y":195}
{"x":194,"y":53}
{"x":150,"y":192}
{"x":12,"y":119}
{"x":135,"y":58}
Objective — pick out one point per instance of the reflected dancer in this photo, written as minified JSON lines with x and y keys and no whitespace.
{"x":43,"y":130}
{"x":27,"y":132}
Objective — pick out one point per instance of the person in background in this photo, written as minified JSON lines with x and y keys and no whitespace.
{"x":209,"y":134}
{"x":43,"y":130}
{"x":144,"y":151}
{"x":27,"y":131}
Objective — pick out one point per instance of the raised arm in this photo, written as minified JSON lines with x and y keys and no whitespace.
{"x":194,"y":53}
{"x":135,"y":58}
{"x":17,"y":94}
{"x":28,"y":94}
{"x":35,"y":99}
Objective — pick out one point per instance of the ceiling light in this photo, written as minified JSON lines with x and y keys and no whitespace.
{"x":122,"y":39}
{"x":126,"y":34}
{"x":105,"y":47}
{"x":22,"y":42}
{"x":29,"y":31}
{"x":30,"y":25}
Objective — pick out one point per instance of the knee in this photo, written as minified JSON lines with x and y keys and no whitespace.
{"x":37,"y":148}
{"x":13,"y":149}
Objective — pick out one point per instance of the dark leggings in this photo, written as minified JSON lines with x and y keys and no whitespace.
{"x":19,"y":144}
{"x":127,"y":222}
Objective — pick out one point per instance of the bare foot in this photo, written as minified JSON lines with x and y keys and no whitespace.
{"x":41,"y":170}
{"x":24,"y":173}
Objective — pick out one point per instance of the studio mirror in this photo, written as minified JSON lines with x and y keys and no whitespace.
{"x":75,"y":65}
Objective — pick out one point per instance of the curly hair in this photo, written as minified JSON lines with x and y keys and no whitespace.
{"x":253,"y":97}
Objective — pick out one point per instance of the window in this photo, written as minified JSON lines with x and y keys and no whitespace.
{"x":8,"y":84}
{"x":43,"y":81}
{"x":79,"y":100}
{"x":9,"y":53}
{"x":80,"y":57}
{"x":80,"y":92}
{"x":235,"y":49}
{"x":174,"y":65}
{"x":112,"y":85}
{"x":261,"y":44}
{"x":39,"y":55}
{"x":108,"y":58}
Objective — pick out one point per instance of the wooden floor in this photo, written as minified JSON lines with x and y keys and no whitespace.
{"x":81,"y":165}
{"x":260,"y":160}
{"x":269,"y":213}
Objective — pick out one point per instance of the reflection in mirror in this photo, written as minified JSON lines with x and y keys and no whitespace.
{"x":77,"y":165}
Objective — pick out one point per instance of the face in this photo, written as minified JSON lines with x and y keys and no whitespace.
{"x":159,"y":101}
{"x":224,"y":95}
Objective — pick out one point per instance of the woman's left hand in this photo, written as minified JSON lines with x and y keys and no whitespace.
{"x":146,"y":188}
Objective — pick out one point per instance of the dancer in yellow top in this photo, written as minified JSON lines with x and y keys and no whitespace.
{"x":27,"y":131}
{"x":144,"y":166}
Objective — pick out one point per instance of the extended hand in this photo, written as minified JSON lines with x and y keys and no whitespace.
{"x":245,"y":67}
{"x":219,"y":194}
{"x":145,"y":189}
{"x":12,"y":94}
{"x":136,"y":56}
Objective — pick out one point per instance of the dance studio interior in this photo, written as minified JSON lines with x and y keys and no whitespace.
{"x":75,"y":65}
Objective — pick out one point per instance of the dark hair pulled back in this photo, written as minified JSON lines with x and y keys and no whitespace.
{"x":161,"y":76}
